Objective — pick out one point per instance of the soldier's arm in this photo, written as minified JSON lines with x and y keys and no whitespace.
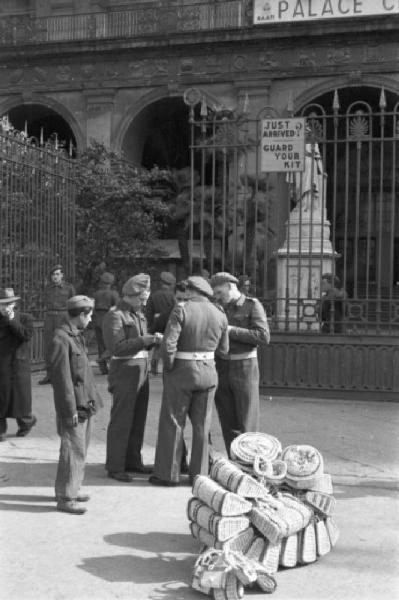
{"x":61,"y":380}
{"x":258,"y":331}
{"x":171,"y":337}
{"x":115,"y":339}
{"x":22,"y":327}
{"x":71,"y":291}
{"x":223,"y":347}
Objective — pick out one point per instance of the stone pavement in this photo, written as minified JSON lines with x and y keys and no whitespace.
{"x":134,"y":542}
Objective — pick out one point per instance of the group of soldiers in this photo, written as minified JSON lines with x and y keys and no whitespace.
{"x":205,"y":331}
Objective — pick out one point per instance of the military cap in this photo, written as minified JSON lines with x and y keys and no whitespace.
{"x":107,"y":278}
{"x":7,"y":296}
{"x":137,"y":285}
{"x":167,"y":278}
{"x":223,"y":277}
{"x":195,"y":282}
{"x":56,"y":268}
{"x":80,"y":302}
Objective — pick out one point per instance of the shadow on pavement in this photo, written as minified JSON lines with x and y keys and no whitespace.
{"x":154,"y":541}
{"x":348,"y":491}
{"x":26,"y":498}
{"x":29,"y":508}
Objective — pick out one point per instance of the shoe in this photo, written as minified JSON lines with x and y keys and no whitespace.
{"x":122,"y":476}
{"x":143,"y":470}
{"x":162,"y":482}
{"x":23,"y":432}
{"x":79,"y":498}
{"x":45,"y":380}
{"x":70,"y":506}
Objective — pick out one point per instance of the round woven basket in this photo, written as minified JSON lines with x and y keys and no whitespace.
{"x":246,"y":446}
{"x":303,"y":462}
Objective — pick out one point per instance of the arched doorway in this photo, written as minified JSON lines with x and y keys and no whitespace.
{"x":159,"y":135}
{"x":44,"y":124}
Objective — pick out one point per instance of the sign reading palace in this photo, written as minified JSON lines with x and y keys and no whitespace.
{"x":283,"y":145}
{"x":283,"y":11}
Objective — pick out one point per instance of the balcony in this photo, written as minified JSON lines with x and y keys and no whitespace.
{"x":124,"y":24}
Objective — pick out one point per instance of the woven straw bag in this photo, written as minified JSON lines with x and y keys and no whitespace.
{"x":333,"y":531}
{"x":256,"y":549}
{"x":214,"y":495}
{"x":322,"y":484}
{"x":289,"y":551}
{"x":223,"y":528}
{"x":277,"y":518}
{"x":266,"y":582}
{"x":233,"y":589}
{"x":323,"y":544}
{"x":307,"y":545}
{"x":238,"y":543}
{"x":271,"y":556}
{"x":323,"y":503}
{"x":232,"y":478}
{"x":248,"y":445}
{"x":304,"y":465}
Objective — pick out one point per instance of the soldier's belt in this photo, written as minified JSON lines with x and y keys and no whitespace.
{"x":141,"y":354}
{"x":242,"y":355}
{"x":195,"y":355}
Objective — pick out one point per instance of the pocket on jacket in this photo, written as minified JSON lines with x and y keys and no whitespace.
{"x":78,"y":366}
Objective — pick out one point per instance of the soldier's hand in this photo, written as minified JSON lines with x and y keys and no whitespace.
{"x":148,"y":340}
{"x":72,"y":421}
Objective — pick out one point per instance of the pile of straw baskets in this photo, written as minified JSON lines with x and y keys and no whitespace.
{"x":265,"y":508}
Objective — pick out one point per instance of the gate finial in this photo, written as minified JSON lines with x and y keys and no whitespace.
{"x":204,"y":108}
{"x":335,"y":103}
{"x":383,"y":100}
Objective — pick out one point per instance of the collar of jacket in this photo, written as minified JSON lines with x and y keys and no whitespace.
{"x":71,"y":329}
{"x":239,"y":302}
{"x":122,"y":305}
{"x":199,"y":299}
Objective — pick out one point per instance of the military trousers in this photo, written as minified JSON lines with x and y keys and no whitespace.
{"x":237,"y":397}
{"x":51,"y":323}
{"x":129,"y":385}
{"x":71,"y":464}
{"x":189,"y":389}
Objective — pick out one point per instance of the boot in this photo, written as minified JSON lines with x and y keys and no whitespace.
{"x":70,"y":506}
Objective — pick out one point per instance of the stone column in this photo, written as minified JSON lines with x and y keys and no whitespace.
{"x":99,"y":112}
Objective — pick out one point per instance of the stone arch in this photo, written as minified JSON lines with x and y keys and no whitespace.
{"x":38,"y":99}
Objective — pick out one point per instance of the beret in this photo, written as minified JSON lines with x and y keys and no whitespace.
{"x":56,"y":268}
{"x":168,"y":278}
{"x":223,"y":277}
{"x":195,"y":282}
{"x":137,"y":285}
{"x":80,"y":302}
{"x":107,"y":278}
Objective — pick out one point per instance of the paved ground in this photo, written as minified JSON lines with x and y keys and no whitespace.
{"x":134,"y":542}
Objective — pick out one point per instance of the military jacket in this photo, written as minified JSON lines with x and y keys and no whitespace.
{"x":249,"y":326}
{"x":104,"y":299}
{"x":70,"y":373}
{"x":123,"y":329}
{"x":195,"y":326}
{"x":56,"y":296}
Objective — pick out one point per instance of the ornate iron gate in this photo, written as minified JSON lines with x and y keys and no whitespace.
{"x":320,"y":246}
{"x":37,"y":219}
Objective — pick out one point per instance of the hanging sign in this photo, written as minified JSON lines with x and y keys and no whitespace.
{"x":283,"y":145}
{"x":283,"y":11}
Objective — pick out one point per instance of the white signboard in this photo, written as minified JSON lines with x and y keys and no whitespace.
{"x":282,"y":11}
{"x":283,"y":145}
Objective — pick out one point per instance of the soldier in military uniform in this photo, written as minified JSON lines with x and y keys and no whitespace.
{"x":104,"y":298}
{"x":127,"y":341}
{"x":195,"y":331}
{"x":237,"y":395}
{"x":76,"y":400}
{"x":55,"y":299}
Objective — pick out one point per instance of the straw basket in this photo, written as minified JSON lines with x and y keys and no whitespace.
{"x":256,"y":549}
{"x":223,"y":528}
{"x":280,"y":518}
{"x":248,"y":445}
{"x":231,"y":477}
{"x":323,"y":544}
{"x":223,"y":502}
{"x":266,"y":582}
{"x":233,"y":589}
{"x":332,"y":530}
{"x":323,"y":503}
{"x":271,"y":556}
{"x":304,"y":465}
{"x":307,"y":545}
{"x":289,"y":551}
{"x":238,"y":543}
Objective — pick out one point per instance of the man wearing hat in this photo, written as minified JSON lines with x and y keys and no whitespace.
{"x":195,"y":331}
{"x":76,"y":400}
{"x":237,"y":395}
{"x":159,"y":306}
{"x":56,"y":295}
{"x":104,"y":298}
{"x":127,"y":341}
{"x":16,"y":330}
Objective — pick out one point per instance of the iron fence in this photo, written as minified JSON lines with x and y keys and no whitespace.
{"x":37,"y":216}
{"x":339,"y":217}
{"x":129,"y":23}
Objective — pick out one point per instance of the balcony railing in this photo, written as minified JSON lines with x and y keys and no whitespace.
{"x":126,"y":24}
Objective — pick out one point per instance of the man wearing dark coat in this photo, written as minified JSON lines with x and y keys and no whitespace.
{"x":76,"y":400}
{"x":16,"y":330}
